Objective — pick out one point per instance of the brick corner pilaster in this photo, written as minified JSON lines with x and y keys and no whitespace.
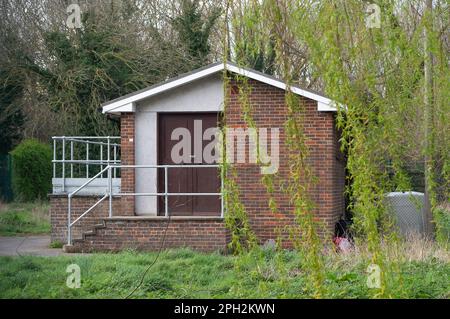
{"x":127,"y":134}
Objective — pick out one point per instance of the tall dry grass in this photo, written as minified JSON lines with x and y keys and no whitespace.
{"x":412,"y":247}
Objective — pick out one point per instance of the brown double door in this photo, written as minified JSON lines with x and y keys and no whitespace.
{"x":187,"y":180}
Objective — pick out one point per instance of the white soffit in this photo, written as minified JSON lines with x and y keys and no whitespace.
{"x":127,"y":102}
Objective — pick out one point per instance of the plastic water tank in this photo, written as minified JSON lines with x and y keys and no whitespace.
{"x":407,"y":208}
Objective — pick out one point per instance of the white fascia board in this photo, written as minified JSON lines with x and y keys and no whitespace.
{"x":325,"y":102}
{"x":128,"y":104}
{"x":126,"y":108}
{"x":113,"y":107}
{"x":326,"y":107}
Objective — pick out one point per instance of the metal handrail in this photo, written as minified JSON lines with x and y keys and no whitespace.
{"x":89,"y":181}
{"x":91,"y":162}
{"x":71,"y":139}
{"x":109,"y":193}
{"x":69,"y":205}
{"x":89,"y":137}
{"x":74,"y":141}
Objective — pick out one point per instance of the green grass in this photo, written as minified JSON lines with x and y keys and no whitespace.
{"x":18,"y":219}
{"x":183,"y":273}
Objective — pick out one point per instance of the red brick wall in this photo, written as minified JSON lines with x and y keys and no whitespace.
{"x":147,"y":234}
{"x":127,"y":133}
{"x":269,"y":111}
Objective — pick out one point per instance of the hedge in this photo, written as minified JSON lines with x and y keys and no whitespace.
{"x":31,"y":170}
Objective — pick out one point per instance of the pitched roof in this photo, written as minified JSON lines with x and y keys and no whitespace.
{"x":127,"y":102}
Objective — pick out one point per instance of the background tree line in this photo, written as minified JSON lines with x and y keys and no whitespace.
{"x":53,"y":79}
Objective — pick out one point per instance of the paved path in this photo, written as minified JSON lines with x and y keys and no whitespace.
{"x":30,"y":245}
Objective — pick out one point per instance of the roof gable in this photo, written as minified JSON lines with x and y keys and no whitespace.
{"x":127,"y":102}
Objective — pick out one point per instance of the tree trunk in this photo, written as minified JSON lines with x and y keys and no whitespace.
{"x":428,"y":116}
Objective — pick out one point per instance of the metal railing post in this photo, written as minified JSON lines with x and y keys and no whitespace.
{"x":166,"y":191}
{"x":108,"y":145}
{"x":69,"y":226}
{"x":54,"y":158}
{"x":221,"y":192}
{"x":115,"y":158}
{"x":110,"y":190}
{"x":108,"y":156}
{"x":71,"y":159}
{"x":101,"y":159}
{"x":87,"y":160}
{"x":63,"y":164}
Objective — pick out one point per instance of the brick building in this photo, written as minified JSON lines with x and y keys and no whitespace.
{"x":149,"y":184}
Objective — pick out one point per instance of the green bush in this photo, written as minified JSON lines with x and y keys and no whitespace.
{"x":32,"y":170}
{"x":56,"y":244}
{"x":442,"y":220}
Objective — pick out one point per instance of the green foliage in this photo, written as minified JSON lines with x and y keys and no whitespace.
{"x":254,"y":41}
{"x":300,"y":178}
{"x":441,"y":216}
{"x":236,"y":220}
{"x":89,"y":67}
{"x":118,"y":50}
{"x":24,"y":218}
{"x":32,"y":170}
{"x":194,"y":30}
{"x":11,"y":115}
{"x":56,"y":244}
{"x":377,"y":75}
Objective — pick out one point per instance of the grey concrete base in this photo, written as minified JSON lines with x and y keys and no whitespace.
{"x":30,"y":245}
{"x":70,"y":249}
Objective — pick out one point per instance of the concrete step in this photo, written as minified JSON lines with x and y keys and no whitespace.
{"x":100,"y":225}
{"x":77,"y":243}
{"x":71,"y":249}
{"x":89,"y":233}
